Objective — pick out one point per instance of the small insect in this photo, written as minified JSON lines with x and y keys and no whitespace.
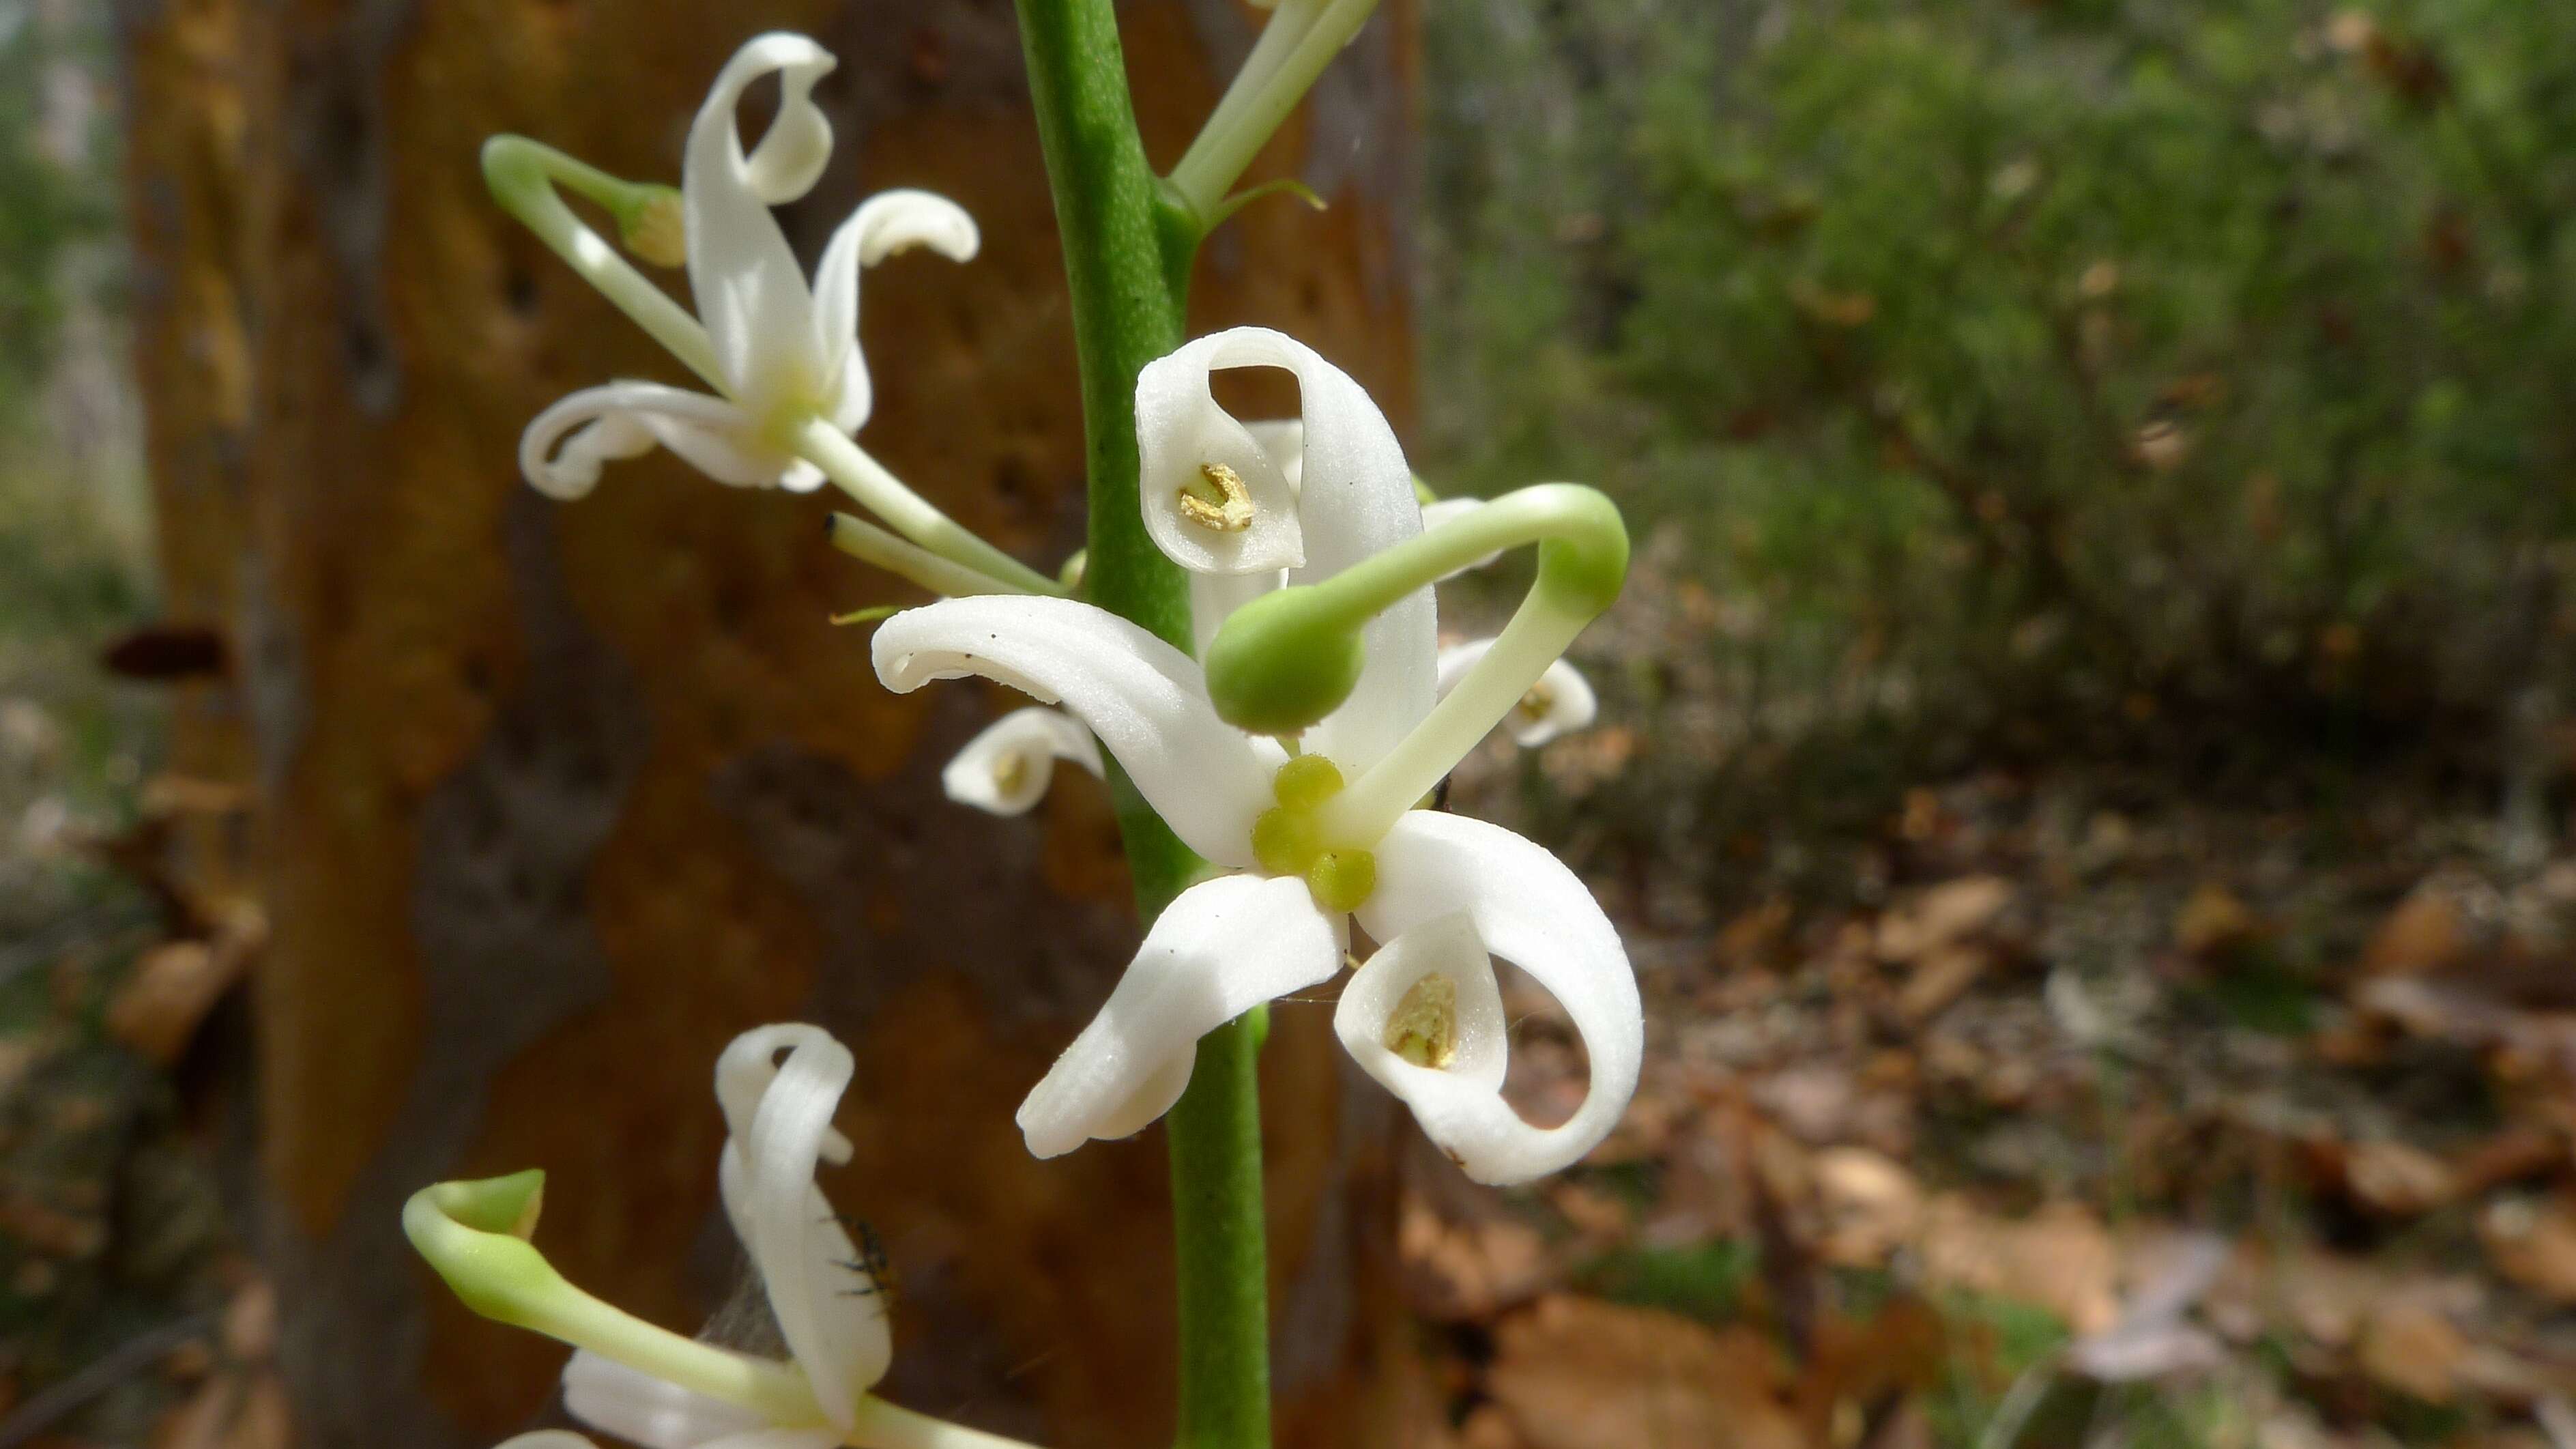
{"x":873,"y":1267}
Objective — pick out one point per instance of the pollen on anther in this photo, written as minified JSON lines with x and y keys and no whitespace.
{"x":1423,"y":1028}
{"x":1230,"y":511}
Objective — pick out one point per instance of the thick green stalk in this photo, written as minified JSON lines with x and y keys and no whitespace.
{"x":1127,"y":251}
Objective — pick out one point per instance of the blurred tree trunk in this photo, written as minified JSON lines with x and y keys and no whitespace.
{"x":551,"y":801}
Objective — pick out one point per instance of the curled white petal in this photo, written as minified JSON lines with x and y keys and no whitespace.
{"x":635,"y":1406}
{"x":1559,"y":704}
{"x":1144,"y":700}
{"x":1284,"y":439}
{"x":792,"y":153}
{"x":563,"y":447}
{"x":884,"y":224}
{"x":1189,"y":446}
{"x":743,"y":1075}
{"x":1458,"y":1102}
{"x":1448,"y":510}
{"x":1220,"y":949}
{"x":751,"y":295}
{"x":1530,"y":910}
{"x":550,"y":1439}
{"x":839,"y":1337}
{"x":1005,"y":769}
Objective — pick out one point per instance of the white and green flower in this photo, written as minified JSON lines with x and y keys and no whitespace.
{"x":1316,"y":839}
{"x":779,"y":354}
{"x":778,"y":1087}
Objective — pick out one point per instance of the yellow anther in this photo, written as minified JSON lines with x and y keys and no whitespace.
{"x":1229,"y":511}
{"x":655,"y":228}
{"x":1423,"y":1028}
{"x":1010,"y":772}
{"x":1534,"y":706}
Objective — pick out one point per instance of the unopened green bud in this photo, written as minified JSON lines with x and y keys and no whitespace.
{"x":1279,"y":664}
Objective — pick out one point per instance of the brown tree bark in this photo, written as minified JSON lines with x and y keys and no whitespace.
{"x":553,"y":800}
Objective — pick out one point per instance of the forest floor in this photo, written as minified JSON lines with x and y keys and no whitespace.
{"x":2176,"y":1125}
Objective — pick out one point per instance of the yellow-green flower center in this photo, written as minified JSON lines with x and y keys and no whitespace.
{"x":1288,"y":839}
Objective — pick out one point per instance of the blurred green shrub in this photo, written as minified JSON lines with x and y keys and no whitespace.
{"x":2193,"y":380}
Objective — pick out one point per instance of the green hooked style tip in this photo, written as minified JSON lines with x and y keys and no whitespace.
{"x":475,"y":1234}
{"x":1286,"y":659}
{"x":1280,"y":664}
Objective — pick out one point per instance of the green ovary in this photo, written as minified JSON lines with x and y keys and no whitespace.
{"x":1288,"y":840}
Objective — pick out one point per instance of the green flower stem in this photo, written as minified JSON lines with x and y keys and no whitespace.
{"x":1287,"y":658}
{"x":1127,"y":251}
{"x":915,"y":517}
{"x":523,"y":174}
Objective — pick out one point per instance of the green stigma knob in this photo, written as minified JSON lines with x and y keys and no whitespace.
{"x":1282,"y":662}
{"x":475,"y":1234}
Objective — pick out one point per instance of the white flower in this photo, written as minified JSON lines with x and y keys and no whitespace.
{"x":1559,"y":704}
{"x":781,"y":354}
{"x":778,"y":1115}
{"x":1317,"y":841}
{"x":1005,"y":770}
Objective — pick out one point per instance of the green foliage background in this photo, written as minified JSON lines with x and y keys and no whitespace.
{"x":2192,"y":383}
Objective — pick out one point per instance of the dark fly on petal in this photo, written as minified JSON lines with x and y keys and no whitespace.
{"x":873,"y":1267}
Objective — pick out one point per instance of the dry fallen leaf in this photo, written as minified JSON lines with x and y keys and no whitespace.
{"x":1870,"y":1206}
{"x":1943,"y":915}
{"x":2398,"y":1178}
{"x":2213,"y":921}
{"x":1577,"y":1373}
{"x":1467,"y":1272}
{"x":2410,"y":1346}
{"x":2441,"y":925}
{"x":2533,"y":1242}
{"x":2060,"y":1258}
{"x":1941,"y":977}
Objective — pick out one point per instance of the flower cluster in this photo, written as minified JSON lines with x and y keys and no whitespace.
{"x":1297,"y":746}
